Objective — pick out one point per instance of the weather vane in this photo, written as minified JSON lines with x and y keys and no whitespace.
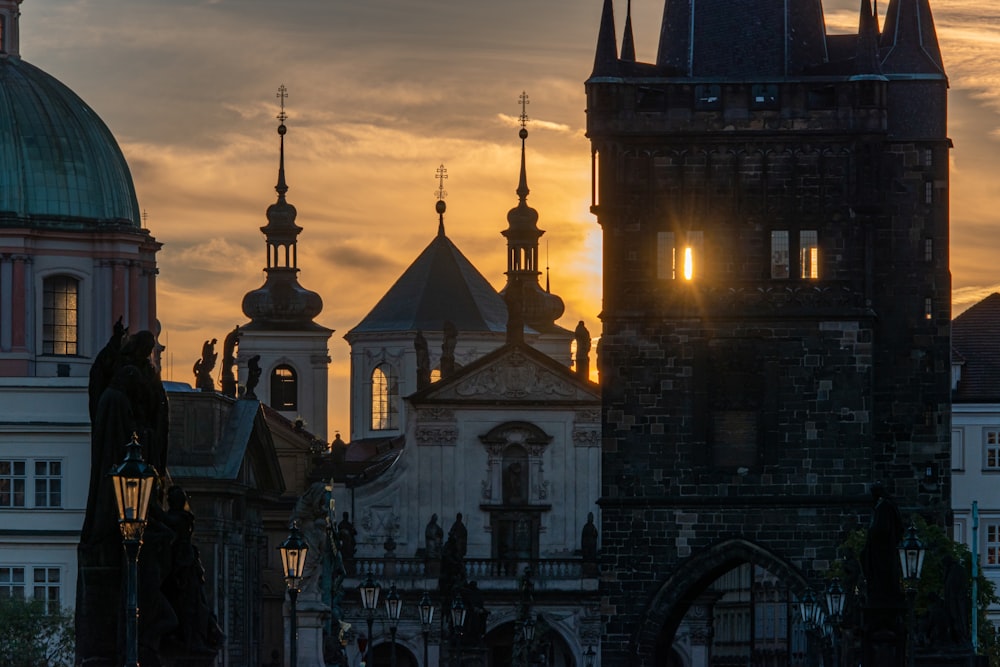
{"x":282,"y":95}
{"x":441,"y":174}
{"x":524,"y":111}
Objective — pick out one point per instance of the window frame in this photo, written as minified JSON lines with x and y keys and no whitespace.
{"x":991,"y":445}
{"x":50,"y":309}
{"x":9,"y":484}
{"x":281,"y":386}
{"x":384,"y":412}
{"x":48,"y":480}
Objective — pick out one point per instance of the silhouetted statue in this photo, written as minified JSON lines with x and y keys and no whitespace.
{"x":347,"y":535}
{"x":198,"y":630}
{"x":461,"y":535}
{"x":105,"y":365}
{"x":423,"y":360}
{"x":588,"y":539}
{"x":879,"y":557}
{"x":957,"y":602}
{"x":582,"y":351}
{"x":203,"y":367}
{"x":310,"y":515}
{"x":228,"y":379}
{"x":253,"y":377}
{"x":452,"y":573}
{"x":448,"y":349}
{"x":433,"y":535}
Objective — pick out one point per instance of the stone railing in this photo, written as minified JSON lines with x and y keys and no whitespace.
{"x":476,"y":569}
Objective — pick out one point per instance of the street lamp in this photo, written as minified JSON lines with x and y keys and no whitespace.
{"x":293,"y":560}
{"x":133,"y":483}
{"x":426,"y":618}
{"x":835,"y":599}
{"x":911,"y":559}
{"x":458,"y":613}
{"x":370,"y":590}
{"x":393,"y":608}
{"x":589,"y":656}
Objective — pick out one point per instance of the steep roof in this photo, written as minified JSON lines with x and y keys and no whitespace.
{"x":975,"y":336}
{"x":440,"y":285}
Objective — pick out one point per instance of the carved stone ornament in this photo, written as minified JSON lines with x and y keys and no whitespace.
{"x":517,"y":378}
{"x":586,"y":438}
{"x":435,"y":415}
{"x":436,"y":436}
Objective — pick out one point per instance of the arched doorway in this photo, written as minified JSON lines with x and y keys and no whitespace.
{"x":549,"y":647}
{"x":382,"y":656}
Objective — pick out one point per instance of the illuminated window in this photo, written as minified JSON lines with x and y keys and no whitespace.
{"x":284,"y":389}
{"x":991,"y":450}
{"x":809,"y":254}
{"x":779,"y":254}
{"x":12,"y":482}
{"x":928,"y":309}
{"x":675,"y":260}
{"x":385,"y":398}
{"x":59,"y":315}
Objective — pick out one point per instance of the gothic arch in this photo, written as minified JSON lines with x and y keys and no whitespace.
{"x":667,"y":608}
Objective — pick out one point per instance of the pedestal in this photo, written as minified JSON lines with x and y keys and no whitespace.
{"x":310,"y":616}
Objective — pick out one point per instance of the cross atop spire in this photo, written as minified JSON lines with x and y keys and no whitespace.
{"x":441,"y":174}
{"x":523,"y":100}
{"x":282,"y":96}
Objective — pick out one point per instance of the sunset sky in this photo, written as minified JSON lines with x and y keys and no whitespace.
{"x":380,"y":92}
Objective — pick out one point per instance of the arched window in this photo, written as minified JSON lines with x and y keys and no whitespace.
{"x":59,"y":315}
{"x":284,"y":388}
{"x":385,"y":398}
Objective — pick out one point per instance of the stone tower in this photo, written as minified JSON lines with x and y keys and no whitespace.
{"x":291,"y":348}
{"x":774,"y":202}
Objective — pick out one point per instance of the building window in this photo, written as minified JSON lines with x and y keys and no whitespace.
{"x":46,"y":588}
{"x":679,"y":260}
{"x":779,"y":254}
{"x":809,"y":254}
{"x":928,"y":192}
{"x":992,"y":535}
{"x":12,"y":481}
{"x":928,"y":250}
{"x":48,"y":484}
{"x":991,"y":452}
{"x":284,"y":389}
{"x":928,"y":157}
{"x":12,"y":582}
{"x":707,"y":97}
{"x":928,"y":309}
{"x":59,"y":315}
{"x":385,"y":398}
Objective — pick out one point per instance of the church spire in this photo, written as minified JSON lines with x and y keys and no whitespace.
{"x":866,"y":60}
{"x":606,"y":58}
{"x":628,"y":43}
{"x":441,"y":174}
{"x":909,"y":40}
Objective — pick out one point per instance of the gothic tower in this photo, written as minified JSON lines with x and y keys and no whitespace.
{"x":774,"y":202}
{"x":294,"y":359}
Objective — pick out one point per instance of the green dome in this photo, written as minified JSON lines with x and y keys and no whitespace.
{"x":61,"y":165}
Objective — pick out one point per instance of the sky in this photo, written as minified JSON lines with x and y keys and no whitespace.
{"x":380,"y":93}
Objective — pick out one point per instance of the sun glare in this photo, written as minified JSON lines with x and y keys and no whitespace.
{"x":688,"y":263}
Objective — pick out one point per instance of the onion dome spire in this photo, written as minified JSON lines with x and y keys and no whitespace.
{"x":281,"y":300}
{"x":441,"y":174}
{"x":541,"y":309}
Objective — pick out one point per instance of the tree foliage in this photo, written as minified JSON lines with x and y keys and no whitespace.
{"x":32,"y":637}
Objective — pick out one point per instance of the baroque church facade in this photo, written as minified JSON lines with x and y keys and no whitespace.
{"x":774,"y":203}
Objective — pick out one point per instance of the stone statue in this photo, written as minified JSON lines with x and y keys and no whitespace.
{"x":452,"y":573}
{"x":461,"y":535}
{"x":253,"y":377}
{"x":104,"y":366}
{"x":582,"y":351}
{"x":423,"y":360}
{"x":514,"y":487}
{"x":879,"y":557}
{"x":203,"y":367}
{"x":198,"y":630}
{"x":347,"y":535}
{"x":433,"y":536}
{"x":310,"y":514}
{"x":588,"y":539}
{"x":228,"y":380}
{"x":448,"y":349}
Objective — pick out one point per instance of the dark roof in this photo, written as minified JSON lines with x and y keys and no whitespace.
{"x":975,"y":336}
{"x":61,"y":165}
{"x":440,"y":285}
{"x":909,"y":40}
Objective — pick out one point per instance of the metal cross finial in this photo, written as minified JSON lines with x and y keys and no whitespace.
{"x":441,"y":174}
{"x":145,"y":218}
{"x":282,"y":95}
{"x":524,"y":111}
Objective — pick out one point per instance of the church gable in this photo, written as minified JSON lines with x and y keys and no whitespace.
{"x":513,"y":374}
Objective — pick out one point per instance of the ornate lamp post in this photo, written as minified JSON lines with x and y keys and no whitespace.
{"x":458,"y":613}
{"x":911,"y":558}
{"x":293,"y":560}
{"x":835,"y":599}
{"x":370,"y":591}
{"x":133,"y":483}
{"x":426,"y":618}
{"x":393,"y":608}
{"x":589,"y":656}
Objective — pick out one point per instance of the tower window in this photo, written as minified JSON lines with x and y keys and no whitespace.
{"x":679,"y":260}
{"x":809,"y":253}
{"x":928,"y":157}
{"x":779,"y":254}
{"x":284,"y":389}
{"x":385,"y":398}
{"x":928,"y":192}
{"x":928,"y":250}
{"x":59,"y":315}
{"x":928,"y":309}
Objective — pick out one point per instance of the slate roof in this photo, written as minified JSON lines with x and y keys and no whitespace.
{"x":440,"y":285}
{"x":975,"y":337}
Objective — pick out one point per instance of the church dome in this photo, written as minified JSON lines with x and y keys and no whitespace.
{"x":62,"y":166}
